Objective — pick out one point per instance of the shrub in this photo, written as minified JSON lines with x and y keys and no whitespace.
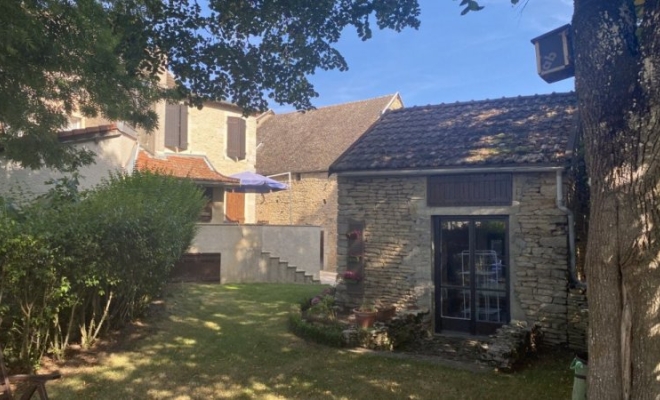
{"x":329,"y":334}
{"x":88,"y":260}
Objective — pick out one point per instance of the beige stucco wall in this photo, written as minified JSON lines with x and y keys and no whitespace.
{"x":113,"y":154}
{"x":312,"y":200}
{"x":241,"y":247}
{"x":207,"y":135}
{"x":398,"y":245}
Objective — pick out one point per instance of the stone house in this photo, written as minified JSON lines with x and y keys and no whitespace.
{"x":460,"y":209}
{"x":298,"y":148}
{"x":206,"y":145}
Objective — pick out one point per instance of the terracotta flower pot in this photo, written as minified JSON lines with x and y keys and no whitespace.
{"x":386,"y":313}
{"x":365,"y":319}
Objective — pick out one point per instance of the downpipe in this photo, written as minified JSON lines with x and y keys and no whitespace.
{"x":572,"y":269}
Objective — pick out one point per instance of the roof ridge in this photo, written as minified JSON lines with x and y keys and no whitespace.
{"x":389,"y":96}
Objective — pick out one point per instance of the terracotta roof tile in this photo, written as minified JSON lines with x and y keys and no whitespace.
{"x":196,"y":168}
{"x":312,"y":140}
{"x":530,"y":130}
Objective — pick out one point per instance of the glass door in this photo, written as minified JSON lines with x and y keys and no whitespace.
{"x":470,"y":274}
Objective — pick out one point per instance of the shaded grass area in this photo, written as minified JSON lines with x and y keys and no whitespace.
{"x":231,"y":341}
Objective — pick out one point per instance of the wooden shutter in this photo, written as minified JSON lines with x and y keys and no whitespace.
{"x":172,"y":123}
{"x":241,"y":139}
{"x":176,"y":126}
{"x":236,"y":138}
{"x":469,"y":190}
{"x":183,"y":126}
{"x":235,"y":207}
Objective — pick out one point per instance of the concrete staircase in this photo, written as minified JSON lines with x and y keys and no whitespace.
{"x":278,"y":271}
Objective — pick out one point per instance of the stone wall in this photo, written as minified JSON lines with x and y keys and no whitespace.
{"x":311,"y":200}
{"x":541,"y":255}
{"x":398,"y":237}
{"x":397,"y":258}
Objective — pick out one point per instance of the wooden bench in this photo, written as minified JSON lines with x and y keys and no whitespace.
{"x":32,"y":383}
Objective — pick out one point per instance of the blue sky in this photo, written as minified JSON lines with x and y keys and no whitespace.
{"x":450,"y":58}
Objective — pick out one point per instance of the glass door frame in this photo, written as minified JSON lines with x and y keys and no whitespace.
{"x":471,"y":325}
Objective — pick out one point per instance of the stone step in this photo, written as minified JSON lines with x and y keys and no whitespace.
{"x":291,"y":273}
{"x":281,"y":272}
{"x":300,"y":276}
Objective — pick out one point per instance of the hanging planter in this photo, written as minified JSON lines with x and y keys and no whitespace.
{"x":354,"y":234}
{"x":352,"y":277}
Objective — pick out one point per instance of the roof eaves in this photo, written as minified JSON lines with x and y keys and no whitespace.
{"x":93,"y":132}
{"x":449,"y":171}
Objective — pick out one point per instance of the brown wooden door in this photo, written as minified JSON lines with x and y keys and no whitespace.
{"x":235,"y":207}
{"x":197,"y":268}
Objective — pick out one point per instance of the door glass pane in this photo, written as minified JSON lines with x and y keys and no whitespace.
{"x":455,"y":303}
{"x":455,"y":253}
{"x":490,"y":239}
{"x":491,"y":306}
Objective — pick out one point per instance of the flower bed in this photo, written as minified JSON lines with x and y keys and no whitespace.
{"x":318,"y":320}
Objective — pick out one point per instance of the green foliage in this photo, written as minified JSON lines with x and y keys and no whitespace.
{"x":89,"y":260}
{"x":106,"y":58}
{"x":57,"y":56}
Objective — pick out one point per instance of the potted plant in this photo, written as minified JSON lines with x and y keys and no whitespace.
{"x":354,"y":234}
{"x":385,"y":313}
{"x":365,"y":315}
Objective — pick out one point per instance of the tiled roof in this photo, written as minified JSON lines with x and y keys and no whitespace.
{"x":196,"y":168}
{"x":516,"y":131}
{"x":312,"y":140}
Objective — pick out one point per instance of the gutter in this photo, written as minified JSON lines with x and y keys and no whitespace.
{"x":446,"y":171}
{"x":572,"y":272}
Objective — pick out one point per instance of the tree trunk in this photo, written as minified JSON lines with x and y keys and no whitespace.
{"x":616,"y":79}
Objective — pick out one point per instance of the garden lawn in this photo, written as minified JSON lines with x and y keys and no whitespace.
{"x":231,"y":341}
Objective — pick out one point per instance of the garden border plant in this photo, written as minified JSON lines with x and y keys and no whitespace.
{"x":315,"y":319}
{"x":73,"y":264}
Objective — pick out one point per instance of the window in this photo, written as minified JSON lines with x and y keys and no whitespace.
{"x":176,"y":126}
{"x":469,"y":190}
{"x":73,"y":123}
{"x":207,"y":213}
{"x":236,"y":138}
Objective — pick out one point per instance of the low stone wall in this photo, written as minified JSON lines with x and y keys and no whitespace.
{"x":241,"y":247}
{"x":511,"y":344}
{"x":406,"y":328}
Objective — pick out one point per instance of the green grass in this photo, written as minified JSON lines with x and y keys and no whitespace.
{"x":231,"y":341}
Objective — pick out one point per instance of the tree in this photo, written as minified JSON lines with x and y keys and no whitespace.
{"x":617,"y":80}
{"x":105,"y":57}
